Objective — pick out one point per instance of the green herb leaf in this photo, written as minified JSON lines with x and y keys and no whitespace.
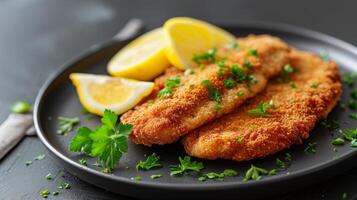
{"x":313,"y":85}
{"x":240,"y":140}
{"x":260,"y":110}
{"x":354,"y":94}
{"x":136,"y":178}
{"x":28,"y":163}
{"x":82,"y":161}
{"x":64,"y":186}
{"x":353,"y":115}
{"x":280,"y":163}
{"x":44,"y":193}
{"x":48,"y":176}
{"x":338,"y":141}
{"x":66,"y":124}
{"x":253,"y":52}
{"x":185,"y":165}
{"x":107,"y":142}
{"x":218,"y":176}
{"x":292,"y":85}
{"x":310,"y":148}
{"x":238,"y":73}
{"x":40,"y":157}
{"x":349,"y":78}
{"x":155,"y":176}
{"x":229,"y":83}
{"x":352,"y":104}
{"x":255,"y":173}
{"x":20,"y":107}
{"x":188,"y":71}
{"x":170,"y":84}
{"x":248,"y":65}
{"x":206,"y":57}
{"x":233,"y":46}
{"x":151,"y":161}
{"x":240,"y":94}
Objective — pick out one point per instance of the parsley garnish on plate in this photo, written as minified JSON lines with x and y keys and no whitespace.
{"x":136,"y":178}
{"x":44,"y":193}
{"x":238,"y":73}
{"x":352,"y":104}
{"x":209,"y":56}
{"x":240,"y":94}
{"x":40,"y":157}
{"x":151,"y":161}
{"x":82,"y":161}
{"x":221,"y":64}
{"x":260,"y":110}
{"x":284,"y":74}
{"x":248,"y":65}
{"x":170,"y":84}
{"x":338,"y":141}
{"x":107,"y":142}
{"x":310,"y":148}
{"x":353,"y":115}
{"x":66,"y":124}
{"x":185,"y":165}
{"x":49,"y":176}
{"x":349,"y":78}
{"x":255,"y":173}
{"x":351,"y":135}
{"x":353,"y":94}
{"x":64,"y":186}
{"x":281,"y":164}
{"x":155,"y":176}
{"x":218,"y":176}
{"x":229,"y":83}
{"x":233,"y":46}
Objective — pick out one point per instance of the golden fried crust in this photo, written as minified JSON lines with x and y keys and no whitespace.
{"x":166,"y":119}
{"x":295,"y":114}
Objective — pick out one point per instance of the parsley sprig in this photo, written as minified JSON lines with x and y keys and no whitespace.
{"x":349,"y":78}
{"x":261,"y":110}
{"x":255,"y":173}
{"x":170,"y":84}
{"x":108,"y":142}
{"x":206,"y":57}
{"x":213,"y":92}
{"x":351,"y":135}
{"x":66,"y":124}
{"x":218,"y":176}
{"x":185,"y":165}
{"x":151,"y":161}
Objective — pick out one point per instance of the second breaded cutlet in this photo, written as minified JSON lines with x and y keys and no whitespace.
{"x":296,"y":106}
{"x":192,"y":104}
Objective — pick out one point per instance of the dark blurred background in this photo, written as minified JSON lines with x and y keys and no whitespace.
{"x":37,"y":36}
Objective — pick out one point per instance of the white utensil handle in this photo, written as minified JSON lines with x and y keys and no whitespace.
{"x":12,"y":130}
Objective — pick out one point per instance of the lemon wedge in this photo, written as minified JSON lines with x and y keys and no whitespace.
{"x":100,"y":92}
{"x":184,"y":37}
{"x":142,"y":59}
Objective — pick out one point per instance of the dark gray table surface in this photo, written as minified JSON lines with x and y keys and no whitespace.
{"x":37,"y":36}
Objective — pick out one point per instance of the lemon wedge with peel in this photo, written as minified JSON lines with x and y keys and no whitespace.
{"x":100,"y":92}
{"x":184,"y":37}
{"x":142,"y":59}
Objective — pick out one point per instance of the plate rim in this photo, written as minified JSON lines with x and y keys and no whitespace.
{"x":279,"y":27}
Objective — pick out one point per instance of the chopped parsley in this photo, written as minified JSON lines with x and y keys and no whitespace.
{"x":150,"y":101}
{"x":344,"y":195}
{"x":217,"y":176}
{"x":136,"y":178}
{"x":324,"y":56}
{"x":170,"y":84}
{"x":82,"y":161}
{"x":55,"y":193}
{"x":338,"y":141}
{"x":260,"y":110}
{"x":206,"y":57}
{"x":352,"y":104}
{"x":240,"y":94}
{"x":255,"y":173}
{"x":213,"y":93}
{"x":234,"y":46}
{"x":253,"y":52}
{"x":333,"y":124}
{"x":284,"y":74}
{"x":40,"y":157}
{"x":240,"y":140}
{"x":217,"y":107}
{"x":288,"y":157}
{"x":64,"y":186}
{"x":107,"y":142}
{"x":310,"y":148}
{"x":251,"y":79}
{"x":248,"y":65}
{"x":66,"y":124}
{"x":353,"y":115}
{"x":351,"y":135}
{"x":271,"y":104}
{"x":354,"y":94}
{"x":155,"y":176}
{"x":221,"y":64}
{"x":49,"y":176}
{"x":349,"y":78}
{"x":238,"y":73}
{"x":106,"y":170}
{"x":185,"y":165}
{"x":229,"y":83}
{"x":313,"y":85}
{"x":44,"y":193}
{"x":189,"y":71}
{"x":151,"y":161}
{"x":280,"y":163}
{"x":28,"y":163}
{"x":272,"y":172}
{"x":292,"y":85}
{"x":20,"y":107}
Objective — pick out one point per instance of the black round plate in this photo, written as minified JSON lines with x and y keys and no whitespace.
{"x":58,"y":98}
